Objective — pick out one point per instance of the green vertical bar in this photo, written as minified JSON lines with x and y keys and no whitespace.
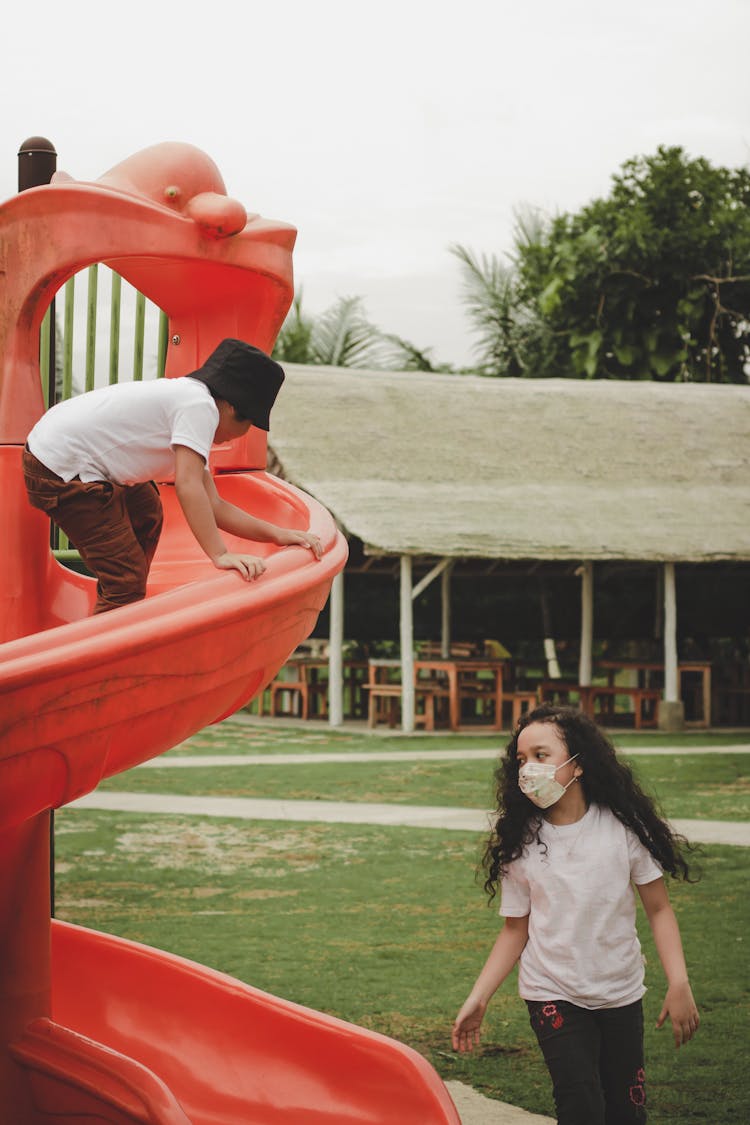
{"x":67,"y":375}
{"x":44,"y":350}
{"x":161,"y":354}
{"x":91,"y":327}
{"x":114,"y":329}
{"x":140,"y":328}
{"x":62,"y":542}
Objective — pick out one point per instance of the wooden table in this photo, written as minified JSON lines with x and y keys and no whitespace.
{"x":644,"y":699}
{"x":645,"y":671}
{"x":301,"y":688}
{"x":434,"y":679}
{"x":464,"y":681}
{"x":644,"y":694}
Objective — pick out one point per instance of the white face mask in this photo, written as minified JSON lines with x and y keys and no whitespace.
{"x":537,"y":781}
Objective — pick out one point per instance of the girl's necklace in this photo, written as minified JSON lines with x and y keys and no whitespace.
{"x":568,"y":847}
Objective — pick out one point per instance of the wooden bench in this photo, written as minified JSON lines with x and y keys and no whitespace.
{"x":520,"y":701}
{"x":297,"y":694}
{"x":383,"y":703}
{"x":300,"y":689}
{"x":385,"y":699}
{"x":478,"y":698}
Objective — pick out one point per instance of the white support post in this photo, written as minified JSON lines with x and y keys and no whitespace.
{"x":585,"y":663}
{"x":407,"y":647}
{"x":443,"y":569}
{"x":445,"y":606}
{"x":671,"y":708}
{"x":335,"y":653}
{"x":671,"y":684}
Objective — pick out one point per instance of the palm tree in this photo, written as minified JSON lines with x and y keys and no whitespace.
{"x":401,"y":355}
{"x":490,"y":297}
{"x":293,"y":344}
{"x":343,"y":337}
{"x":340,"y":337}
{"x":503,"y":309}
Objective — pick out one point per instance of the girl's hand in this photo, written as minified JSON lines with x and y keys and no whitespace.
{"x":466,"y":1030}
{"x":249,"y":566}
{"x":679,"y":1005}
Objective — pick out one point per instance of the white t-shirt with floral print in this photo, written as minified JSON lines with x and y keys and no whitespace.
{"x":577,"y":888}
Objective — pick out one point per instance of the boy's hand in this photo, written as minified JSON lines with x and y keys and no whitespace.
{"x":679,"y":1005}
{"x":305,"y":539}
{"x":466,"y":1029}
{"x":249,"y":566}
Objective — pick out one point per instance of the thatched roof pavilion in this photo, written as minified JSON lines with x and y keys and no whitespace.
{"x":448,"y":467}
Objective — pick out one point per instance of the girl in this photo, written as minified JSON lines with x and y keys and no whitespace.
{"x":574,"y":830}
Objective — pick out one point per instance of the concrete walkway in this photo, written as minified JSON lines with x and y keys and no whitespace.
{"x":445,"y":818}
{"x":475,"y":1109}
{"x":340,"y":812}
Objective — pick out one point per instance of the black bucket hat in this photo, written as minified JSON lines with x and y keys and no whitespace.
{"x":245,"y":377}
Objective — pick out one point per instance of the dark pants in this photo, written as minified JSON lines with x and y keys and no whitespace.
{"x":115,"y":528}
{"x":595,"y":1059}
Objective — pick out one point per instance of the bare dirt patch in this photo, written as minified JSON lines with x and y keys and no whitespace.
{"x":223,"y":848}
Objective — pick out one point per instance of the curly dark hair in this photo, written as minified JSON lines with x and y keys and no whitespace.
{"x":606,"y":780}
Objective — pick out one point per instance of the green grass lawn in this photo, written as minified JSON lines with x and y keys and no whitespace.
{"x":388,"y":927}
{"x":244,"y":736}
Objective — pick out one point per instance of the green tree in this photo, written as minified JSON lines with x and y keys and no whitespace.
{"x":652,"y":282}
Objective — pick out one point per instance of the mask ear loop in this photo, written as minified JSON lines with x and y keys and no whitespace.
{"x":575,"y":777}
{"x":571,"y":759}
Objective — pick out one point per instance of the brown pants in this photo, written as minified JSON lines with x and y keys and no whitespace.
{"x":115,"y":527}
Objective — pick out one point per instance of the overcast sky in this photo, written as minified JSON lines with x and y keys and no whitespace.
{"x":383,"y":131}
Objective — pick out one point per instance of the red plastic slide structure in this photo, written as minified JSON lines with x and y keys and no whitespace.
{"x":95,"y":1029}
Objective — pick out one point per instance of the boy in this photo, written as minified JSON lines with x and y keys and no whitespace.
{"x":91,"y":463}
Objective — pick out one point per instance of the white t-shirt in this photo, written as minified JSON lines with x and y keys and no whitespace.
{"x":583,"y":946}
{"x":126,"y":433}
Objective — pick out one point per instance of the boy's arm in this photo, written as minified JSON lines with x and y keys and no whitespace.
{"x":505,"y":952}
{"x":679,"y":1004}
{"x":238,"y":522}
{"x":195,"y":501}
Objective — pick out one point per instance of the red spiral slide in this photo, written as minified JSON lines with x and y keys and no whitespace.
{"x":93,"y":1028}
